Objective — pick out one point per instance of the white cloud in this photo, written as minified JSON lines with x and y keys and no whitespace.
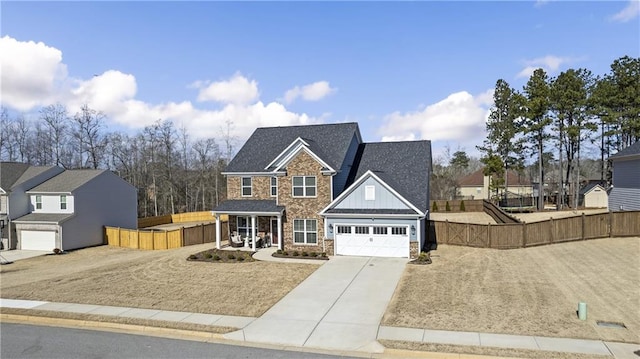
{"x":30,"y":72}
{"x":34,"y":75}
{"x":311,"y":92}
{"x":630,"y":12}
{"x":540,"y":3}
{"x":459,"y":118}
{"x":549,"y":63}
{"x":238,"y":90}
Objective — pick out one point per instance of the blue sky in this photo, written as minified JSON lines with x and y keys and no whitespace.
{"x":402,"y":70}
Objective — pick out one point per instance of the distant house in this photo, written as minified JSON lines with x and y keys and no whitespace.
{"x":15,"y":179}
{"x":625,"y":194}
{"x":69,"y":211}
{"x":593,"y":195}
{"x":478,"y":186}
{"x":320,"y":188}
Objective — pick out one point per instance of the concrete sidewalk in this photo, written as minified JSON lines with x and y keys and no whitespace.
{"x":616,"y":350}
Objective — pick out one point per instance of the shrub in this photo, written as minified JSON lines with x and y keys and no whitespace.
{"x":208,"y":255}
{"x":57,"y":251}
{"x":434,"y":208}
{"x":305,"y":254}
{"x":285,"y":253}
{"x":240,"y":259}
{"x":193,"y":256}
{"x":216,"y":257}
{"x":295,"y":253}
{"x":313,"y":254}
{"x":279,"y":251}
{"x":231,"y":256}
{"x":462,"y":208}
{"x":324,"y":254}
{"x":447,"y":207}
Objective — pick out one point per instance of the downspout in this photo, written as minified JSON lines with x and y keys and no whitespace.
{"x":10,"y":241}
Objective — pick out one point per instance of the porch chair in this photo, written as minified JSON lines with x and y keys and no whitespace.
{"x":235,"y":240}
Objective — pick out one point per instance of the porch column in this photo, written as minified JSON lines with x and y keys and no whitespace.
{"x":253,"y":233}
{"x":218,"y":231}
{"x":280,"y":236}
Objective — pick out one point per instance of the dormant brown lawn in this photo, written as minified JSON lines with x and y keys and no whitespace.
{"x":153,"y":279}
{"x":532,"y":291}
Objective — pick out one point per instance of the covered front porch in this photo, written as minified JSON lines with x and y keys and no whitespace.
{"x":252,"y":223}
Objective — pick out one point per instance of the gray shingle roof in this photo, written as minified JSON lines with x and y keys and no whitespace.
{"x":66,"y":182}
{"x":44,"y":217}
{"x":249,"y":205}
{"x":405,"y":166}
{"x":330,"y":142}
{"x":31,"y":172}
{"x":633,"y":150}
{"x":10,"y":172}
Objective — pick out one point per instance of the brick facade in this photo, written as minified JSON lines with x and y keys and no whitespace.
{"x":260,"y":187}
{"x":304,"y":208}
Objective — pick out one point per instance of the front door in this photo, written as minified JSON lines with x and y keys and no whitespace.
{"x":274,"y":231}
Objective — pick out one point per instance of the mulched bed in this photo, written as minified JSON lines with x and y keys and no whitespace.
{"x":300,"y":255}
{"x":219,"y":256}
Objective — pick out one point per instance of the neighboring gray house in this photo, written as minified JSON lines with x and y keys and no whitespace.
{"x":15,"y":179}
{"x":70,"y":210}
{"x":625,"y":194}
{"x":320,"y":188}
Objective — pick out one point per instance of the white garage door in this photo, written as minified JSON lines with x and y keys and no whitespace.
{"x":372,"y":241}
{"x":38,"y":240}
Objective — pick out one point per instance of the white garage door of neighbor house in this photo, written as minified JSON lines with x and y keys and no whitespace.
{"x":38,"y":240}
{"x":372,"y":241}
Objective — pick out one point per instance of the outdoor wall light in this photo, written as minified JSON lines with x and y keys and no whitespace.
{"x":413,"y":229}
{"x":330,"y":228}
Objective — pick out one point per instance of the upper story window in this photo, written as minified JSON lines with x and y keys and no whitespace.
{"x":246,"y":186}
{"x":38,"y":201}
{"x":274,"y":186}
{"x":304,"y":186}
{"x":63,"y":201}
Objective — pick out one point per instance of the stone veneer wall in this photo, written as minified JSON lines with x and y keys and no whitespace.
{"x":304,"y":208}
{"x":414,"y":251}
{"x":260,"y":187}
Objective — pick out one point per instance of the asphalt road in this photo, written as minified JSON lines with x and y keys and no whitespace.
{"x":31,"y":341}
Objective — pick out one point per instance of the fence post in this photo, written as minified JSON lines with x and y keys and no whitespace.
{"x":202,"y":228}
{"x":166,"y":239}
{"x":583,"y":226}
{"x":524,"y":235}
{"x":137,"y":238}
{"x":610,"y":223}
{"x":553,"y":230}
{"x":181,"y":236}
{"x":119,"y":241}
{"x":446,"y":227}
{"x":468,"y":233}
{"x":489,"y":235}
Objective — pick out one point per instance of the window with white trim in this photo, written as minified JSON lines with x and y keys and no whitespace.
{"x":379,"y":230}
{"x":304,"y":231}
{"x":274,"y":186}
{"x":304,"y":186}
{"x":38,"y":201}
{"x":63,"y":201}
{"x":362,"y":230}
{"x":246,"y":186}
{"x":399,"y":231}
{"x":369,"y":193}
{"x":244,"y":226}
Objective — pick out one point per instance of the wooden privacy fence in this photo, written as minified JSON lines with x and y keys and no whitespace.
{"x":178,"y":218}
{"x":161,"y":239}
{"x":519,"y":235}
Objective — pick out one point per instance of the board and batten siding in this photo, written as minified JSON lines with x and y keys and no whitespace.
{"x":625,"y":194}
{"x":340,"y":179}
{"x":383,"y":198}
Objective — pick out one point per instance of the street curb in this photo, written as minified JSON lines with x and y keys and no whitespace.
{"x":404,"y":353}
{"x":109,"y":326}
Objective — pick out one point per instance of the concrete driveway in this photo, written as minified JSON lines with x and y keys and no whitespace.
{"x":18,"y":254}
{"x":338,"y":307}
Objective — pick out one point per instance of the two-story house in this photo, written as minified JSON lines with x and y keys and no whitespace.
{"x":15,"y":179}
{"x":70,"y":210}
{"x":319,"y":188}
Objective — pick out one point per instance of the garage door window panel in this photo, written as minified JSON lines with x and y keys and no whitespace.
{"x":379,"y":230}
{"x":401,"y":231}
{"x":361,"y":230}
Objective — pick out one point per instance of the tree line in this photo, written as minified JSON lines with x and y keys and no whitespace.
{"x":172,"y":172}
{"x":560,"y":115}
